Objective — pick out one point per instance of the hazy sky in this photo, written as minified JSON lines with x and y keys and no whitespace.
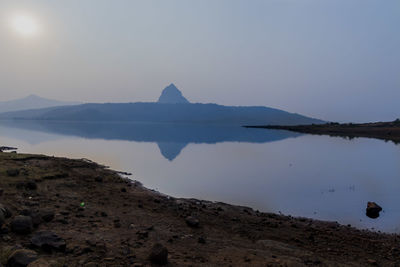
{"x":332,"y":59}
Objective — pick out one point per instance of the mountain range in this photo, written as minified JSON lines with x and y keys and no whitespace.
{"x":32,"y":102}
{"x":172,"y":107}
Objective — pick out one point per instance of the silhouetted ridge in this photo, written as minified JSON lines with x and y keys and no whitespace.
{"x":172,"y":107}
{"x":32,"y":102}
{"x":172,"y":95}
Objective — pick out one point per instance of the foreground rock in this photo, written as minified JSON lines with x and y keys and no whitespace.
{"x":48,"y":241}
{"x":22,"y":225}
{"x":21,"y":258}
{"x":373,"y":210}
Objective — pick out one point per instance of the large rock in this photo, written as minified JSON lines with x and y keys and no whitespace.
{"x":48,"y":241}
{"x":159,"y":254}
{"x":21,"y":258}
{"x":22,"y":225}
{"x":373,"y":210}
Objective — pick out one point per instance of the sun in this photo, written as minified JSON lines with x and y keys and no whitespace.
{"x":24,"y":25}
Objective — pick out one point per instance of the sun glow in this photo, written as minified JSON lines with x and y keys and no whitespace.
{"x":24,"y":25}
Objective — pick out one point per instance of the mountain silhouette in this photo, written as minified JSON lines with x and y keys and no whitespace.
{"x":172,"y":95}
{"x":172,"y":107}
{"x":32,"y":102}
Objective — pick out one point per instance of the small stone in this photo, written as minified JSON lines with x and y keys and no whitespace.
{"x":48,"y":241}
{"x":192,"y":221}
{"x":22,"y":224}
{"x":6,"y":212}
{"x":13,"y":172}
{"x":31,"y":185}
{"x":2,"y":218}
{"x":36,"y":219}
{"x":159,"y":254}
{"x":21,"y":258}
{"x":142,"y":234}
{"x":47,"y":215}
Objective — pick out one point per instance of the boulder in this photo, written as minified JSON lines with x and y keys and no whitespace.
{"x":21,"y":258}
{"x":373,"y":210}
{"x":22,"y":225}
{"x":159,"y":254}
{"x":48,"y":241}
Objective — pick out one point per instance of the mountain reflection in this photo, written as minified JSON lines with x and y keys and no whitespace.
{"x":170,"y":138}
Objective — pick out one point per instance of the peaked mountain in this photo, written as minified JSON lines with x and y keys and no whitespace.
{"x":31,"y":102}
{"x":172,"y":107}
{"x":172,"y":95}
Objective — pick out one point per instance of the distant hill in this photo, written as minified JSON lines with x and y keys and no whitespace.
{"x":31,"y":102}
{"x":165,"y":111}
{"x":171,"y":95}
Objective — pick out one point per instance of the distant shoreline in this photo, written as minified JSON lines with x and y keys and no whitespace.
{"x":388,"y":131}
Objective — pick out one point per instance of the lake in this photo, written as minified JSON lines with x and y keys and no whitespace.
{"x":320,"y":177}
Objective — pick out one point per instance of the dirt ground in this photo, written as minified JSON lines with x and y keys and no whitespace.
{"x":106,"y":220}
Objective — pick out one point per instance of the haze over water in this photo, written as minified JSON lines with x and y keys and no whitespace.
{"x":319,"y":177}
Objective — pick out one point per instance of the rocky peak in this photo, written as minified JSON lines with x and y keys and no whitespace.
{"x":172,"y":95}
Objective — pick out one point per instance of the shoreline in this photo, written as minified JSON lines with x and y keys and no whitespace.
{"x":387,"y":131}
{"x":107,"y":220}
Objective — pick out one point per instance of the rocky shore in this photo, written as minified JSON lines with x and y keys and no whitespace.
{"x":64,"y":212}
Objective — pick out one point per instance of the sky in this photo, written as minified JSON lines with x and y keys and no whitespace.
{"x":336,"y":60}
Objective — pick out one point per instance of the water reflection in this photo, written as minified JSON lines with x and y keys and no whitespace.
{"x":321,"y":177}
{"x":170,"y":138}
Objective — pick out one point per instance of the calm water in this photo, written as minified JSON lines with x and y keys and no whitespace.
{"x":320,"y":177}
